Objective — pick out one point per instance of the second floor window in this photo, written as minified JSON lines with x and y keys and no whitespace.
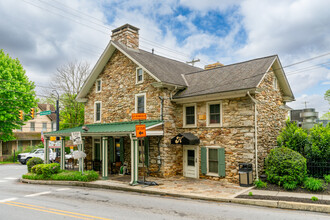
{"x":139,"y":75}
{"x":97,"y":111}
{"x":32,"y":126}
{"x":140,"y":103}
{"x":98,"y":85}
{"x":44,"y":126}
{"x":190,"y":115}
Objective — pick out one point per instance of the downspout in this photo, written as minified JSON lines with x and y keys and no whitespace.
{"x":161,"y":107}
{"x":255,"y":132}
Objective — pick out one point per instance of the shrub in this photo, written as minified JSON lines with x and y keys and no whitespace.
{"x":327,"y":178}
{"x":284,"y":165}
{"x":293,"y":137}
{"x":318,"y":147}
{"x":260,"y":184}
{"x":32,"y":162}
{"x":49,"y":169}
{"x":37,"y":169}
{"x":250,"y":194}
{"x":290,"y":186}
{"x":314,"y":184}
{"x":60,"y":175}
{"x":314,"y":198}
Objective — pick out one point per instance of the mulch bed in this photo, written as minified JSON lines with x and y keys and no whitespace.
{"x":274,"y":187}
{"x":283,"y":198}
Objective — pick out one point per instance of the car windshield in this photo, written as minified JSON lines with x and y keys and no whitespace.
{"x":32,"y":151}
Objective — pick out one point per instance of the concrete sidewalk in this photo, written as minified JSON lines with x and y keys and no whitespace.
{"x":220,"y":191}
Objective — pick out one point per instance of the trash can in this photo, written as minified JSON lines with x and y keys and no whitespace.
{"x":245,"y":174}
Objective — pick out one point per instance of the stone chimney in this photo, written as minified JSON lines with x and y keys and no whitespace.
{"x":213,"y":65}
{"x":127,"y":35}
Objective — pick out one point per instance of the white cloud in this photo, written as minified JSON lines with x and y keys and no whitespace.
{"x":312,"y":101}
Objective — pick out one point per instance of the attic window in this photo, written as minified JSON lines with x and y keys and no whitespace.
{"x":98,"y":85}
{"x":139,"y":75}
{"x":275,"y":83}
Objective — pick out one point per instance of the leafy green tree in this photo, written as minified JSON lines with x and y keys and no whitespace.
{"x":16,"y":93}
{"x":318,"y":147}
{"x":293,"y":137}
{"x":326,"y":116}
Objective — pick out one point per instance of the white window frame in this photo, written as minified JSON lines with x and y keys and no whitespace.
{"x":34,"y":126}
{"x":208,"y":124}
{"x":44,"y":129}
{"x":136,"y":76}
{"x":207,"y":161}
{"x":96,"y":112}
{"x":96,"y":86}
{"x":184,"y":116}
{"x":145,"y":102}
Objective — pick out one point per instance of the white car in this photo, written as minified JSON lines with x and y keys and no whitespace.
{"x":25,"y":157}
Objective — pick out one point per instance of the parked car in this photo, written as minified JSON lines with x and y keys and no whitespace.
{"x":23,"y":158}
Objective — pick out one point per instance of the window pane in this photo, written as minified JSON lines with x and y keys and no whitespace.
{"x":139,"y":75}
{"x":99,"y":85}
{"x":98,"y":111}
{"x":214,"y":114}
{"x":44,"y":126}
{"x":215,"y":119}
{"x":215,"y":108}
{"x":117,"y":150}
{"x":191,"y":157}
{"x":190,"y":115}
{"x":213,"y":160}
{"x":140,"y":107}
{"x":32,"y":128}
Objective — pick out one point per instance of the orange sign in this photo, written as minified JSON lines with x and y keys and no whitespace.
{"x":52,"y":138}
{"x":140,"y":131}
{"x":139,"y":116}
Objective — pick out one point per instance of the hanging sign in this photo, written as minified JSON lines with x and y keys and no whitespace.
{"x":140,"y":131}
{"x":76,"y":137}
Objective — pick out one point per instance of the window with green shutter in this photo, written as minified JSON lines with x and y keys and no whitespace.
{"x":213,"y":161}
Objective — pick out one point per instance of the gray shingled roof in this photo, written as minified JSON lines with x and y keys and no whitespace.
{"x":165,"y":69}
{"x":237,"y":76}
{"x":43,"y":107}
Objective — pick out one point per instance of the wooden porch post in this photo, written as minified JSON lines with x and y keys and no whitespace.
{"x":46,"y":151}
{"x":62,"y":153}
{"x":104,"y":158}
{"x":134,"y":161}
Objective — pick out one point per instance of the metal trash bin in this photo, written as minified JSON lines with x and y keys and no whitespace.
{"x":245,"y":174}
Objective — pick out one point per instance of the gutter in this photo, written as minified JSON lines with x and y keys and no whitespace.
{"x":255,"y":132}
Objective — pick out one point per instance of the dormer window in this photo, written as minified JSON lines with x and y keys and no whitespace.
{"x":98,"y":85}
{"x":139,"y":75}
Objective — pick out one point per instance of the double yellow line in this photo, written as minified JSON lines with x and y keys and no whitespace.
{"x":53,"y":211}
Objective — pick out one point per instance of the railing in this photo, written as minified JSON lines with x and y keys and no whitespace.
{"x":318,"y":169}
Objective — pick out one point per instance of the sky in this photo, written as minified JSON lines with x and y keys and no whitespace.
{"x":47,"y":34}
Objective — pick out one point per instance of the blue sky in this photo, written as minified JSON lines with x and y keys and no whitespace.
{"x":46,"y":34}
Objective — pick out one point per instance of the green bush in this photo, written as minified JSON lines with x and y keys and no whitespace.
{"x":314,"y":184}
{"x":284,"y":165}
{"x":250,"y":194}
{"x":293,"y":137}
{"x":32,"y":162}
{"x":318,"y":147}
{"x":49,"y":169}
{"x":327,"y":178}
{"x":37,"y":169}
{"x":290,"y":186}
{"x":314,"y":198}
{"x":61,"y":175}
{"x":260,"y":184}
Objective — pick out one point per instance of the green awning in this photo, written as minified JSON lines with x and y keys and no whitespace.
{"x":106,"y":128}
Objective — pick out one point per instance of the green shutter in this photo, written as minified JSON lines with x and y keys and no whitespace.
{"x":111,"y":150}
{"x":122,"y":156}
{"x":146,"y":151}
{"x":221,"y":162}
{"x":203,"y":160}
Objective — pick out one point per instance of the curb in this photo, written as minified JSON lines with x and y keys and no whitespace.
{"x":264,"y":203}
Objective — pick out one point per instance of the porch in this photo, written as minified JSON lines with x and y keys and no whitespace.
{"x":108,"y":147}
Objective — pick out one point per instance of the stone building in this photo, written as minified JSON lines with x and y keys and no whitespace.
{"x":30,"y":133}
{"x":200,"y":123}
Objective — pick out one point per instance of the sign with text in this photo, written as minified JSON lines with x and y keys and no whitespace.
{"x":52,"y":138}
{"x":140,"y":131}
{"x":46,"y":112}
{"x":54,"y":144}
{"x":139,"y":116}
{"x":76,"y":137}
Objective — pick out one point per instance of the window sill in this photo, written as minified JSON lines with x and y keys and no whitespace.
{"x":98,"y":91}
{"x":213,"y":174}
{"x":214,"y":125}
{"x":137,"y":83}
{"x":189,"y":126}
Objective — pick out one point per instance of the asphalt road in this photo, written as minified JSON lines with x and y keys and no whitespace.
{"x":28,"y":201}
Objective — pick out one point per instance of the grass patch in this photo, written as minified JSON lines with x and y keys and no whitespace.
{"x":9,"y":162}
{"x":260,"y":184}
{"x":313,"y":184}
{"x":65,"y":175}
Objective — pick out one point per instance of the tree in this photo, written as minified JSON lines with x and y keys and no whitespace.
{"x":326,"y":116}
{"x":16,"y":94}
{"x":68,"y":81}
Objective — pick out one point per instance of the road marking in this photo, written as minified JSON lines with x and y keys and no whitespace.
{"x":63,"y":189}
{"x":54,"y":211}
{"x":7,"y":200}
{"x":11,"y":178}
{"x":38,"y":194}
{"x":3,"y":181}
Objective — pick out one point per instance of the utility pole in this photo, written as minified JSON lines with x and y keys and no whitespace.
{"x":193,"y":61}
{"x":57,"y":111}
{"x":306,"y":104}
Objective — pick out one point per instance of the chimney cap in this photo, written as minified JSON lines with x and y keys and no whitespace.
{"x":128,"y":26}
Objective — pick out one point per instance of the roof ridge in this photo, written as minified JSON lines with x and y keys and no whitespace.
{"x":203,"y":70}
